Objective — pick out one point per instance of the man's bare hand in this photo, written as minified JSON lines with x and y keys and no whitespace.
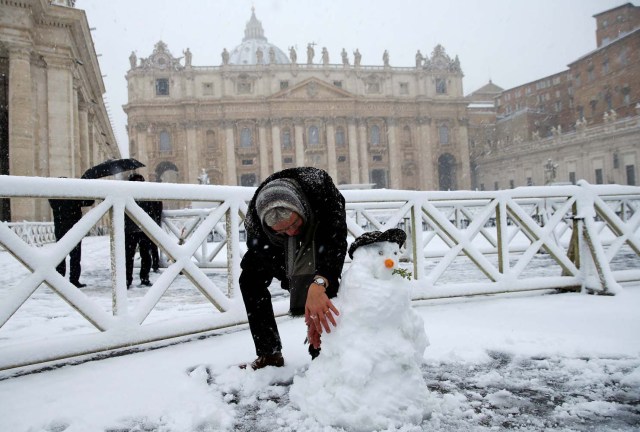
{"x":319,"y":311}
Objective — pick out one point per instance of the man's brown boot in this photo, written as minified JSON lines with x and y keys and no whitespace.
{"x":275,"y":359}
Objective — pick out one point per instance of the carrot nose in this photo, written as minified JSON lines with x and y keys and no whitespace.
{"x":388,"y":263}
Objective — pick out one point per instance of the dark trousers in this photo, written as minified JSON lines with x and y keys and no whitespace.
{"x":74,"y":264}
{"x":140,"y":240}
{"x":155,"y":257}
{"x":254,"y":285}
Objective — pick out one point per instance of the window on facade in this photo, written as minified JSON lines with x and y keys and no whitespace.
{"x":605,"y":67}
{"x":379,"y":178}
{"x":512,"y":184}
{"x":207,"y":89}
{"x":165,"y":142}
{"x":529,"y":181}
{"x":558,"y":106}
{"x":608,"y":100}
{"x":211,"y":140}
{"x":591,"y":75}
{"x":406,"y":136}
{"x":572,"y":177}
{"x":495,"y":185}
{"x":481,"y":186}
{"x":246,"y":140}
{"x":342,"y":159}
{"x":375,"y":135}
{"x":593,"y":106}
{"x":162,"y":87}
{"x":377,"y":158}
{"x":616,"y":161}
{"x":631,"y":174}
{"x":338,"y":84}
{"x":244,"y":87}
{"x":373,"y":87}
{"x":246,"y":162}
{"x":340,"y":141}
{"x":599,"y":176}
{"x":441,"y":86}
{"x":284,"y":85}
{"x":623,"y":57}
{"x":443,"y":133}
{"x":248,"y":180}
{"x":314,"y":135}
{"x":286,"y":139}
{"x":288,"y":160}
{"x":626,"y":95}
{"x":404,"y":88}
{"x":576,"y":79}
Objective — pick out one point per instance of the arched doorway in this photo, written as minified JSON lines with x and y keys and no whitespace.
{"x":167,"y":172}
{"x":447,"y":172}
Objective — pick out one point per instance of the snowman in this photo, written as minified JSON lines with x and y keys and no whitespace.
{"x":368,"y":375}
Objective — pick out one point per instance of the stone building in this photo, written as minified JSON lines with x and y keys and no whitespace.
{"x":53,"y":121}
{"x":262,"y":110}
{"x":581,"y":123}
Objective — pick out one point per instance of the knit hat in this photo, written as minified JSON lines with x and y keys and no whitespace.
{"x":393,"y":235}
{"x":280,"y":193}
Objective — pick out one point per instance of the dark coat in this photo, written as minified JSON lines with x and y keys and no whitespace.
{"x":328,"y":207}
{"x":66,"y":213}
{"x":152,"y":208}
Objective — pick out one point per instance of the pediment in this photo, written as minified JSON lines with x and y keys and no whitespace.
{"x":312,"y":88}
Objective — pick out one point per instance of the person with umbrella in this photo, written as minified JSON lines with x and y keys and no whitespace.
{"x":134,"y":238}
{"x":111,"y":167}
{"x":66,"y":213}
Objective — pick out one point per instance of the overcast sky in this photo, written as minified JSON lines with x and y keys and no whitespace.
{"x":510,"y":42}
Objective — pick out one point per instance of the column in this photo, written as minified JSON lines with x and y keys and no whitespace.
{"x":143,"y":147}
{"x":354,"y":174}
{"x":395,"y":159}
{"x":21,"y":126}
{"x":21,"y":119}
{"x":465,"y":163}
{"x":425,"y":152}
{"x":60,"y":97}
{"x":76,"y":149}
{"x":192,"y":154}
{"x":264,"y":152}
{"x":83,"y":129}
{"x":275,"y":145}
{"x":332,"y":167}
{"x":231,"y":178}
{"x":299,"y":142}
{"x":363,"y":150}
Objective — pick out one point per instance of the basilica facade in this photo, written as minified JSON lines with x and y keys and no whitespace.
{"x":262,"y":110}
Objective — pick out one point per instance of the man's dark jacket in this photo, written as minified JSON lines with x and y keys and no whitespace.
{"x":328,"y":207}
{"x":66,"y":213}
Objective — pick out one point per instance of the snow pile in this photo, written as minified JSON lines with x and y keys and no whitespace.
{"x":368,"y":375}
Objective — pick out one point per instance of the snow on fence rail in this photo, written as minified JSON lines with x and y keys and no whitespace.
{"x":578,"y":230}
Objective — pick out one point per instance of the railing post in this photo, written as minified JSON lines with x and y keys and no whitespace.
{"x":118,"y":264}
{"x":416,"y":241}
{"x":573,"y":250}
{"x":503,"y":236}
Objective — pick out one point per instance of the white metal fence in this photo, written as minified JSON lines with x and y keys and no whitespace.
{"x":576,"y":232}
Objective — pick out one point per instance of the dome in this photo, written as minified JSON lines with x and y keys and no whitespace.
{"x":247,"y":52}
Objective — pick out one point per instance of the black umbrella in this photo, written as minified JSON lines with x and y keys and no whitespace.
{"x":111,"y":167}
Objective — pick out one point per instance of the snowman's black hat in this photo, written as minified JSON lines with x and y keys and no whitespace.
{"x":393,"y":235}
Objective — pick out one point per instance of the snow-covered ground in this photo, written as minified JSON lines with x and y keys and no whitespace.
{"x":542,"y":361}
